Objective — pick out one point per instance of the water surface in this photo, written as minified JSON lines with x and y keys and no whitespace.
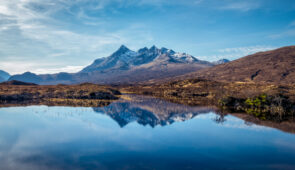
{"x":138,"y":133}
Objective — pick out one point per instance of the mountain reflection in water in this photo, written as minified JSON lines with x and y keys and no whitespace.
{"x":149,"y":111}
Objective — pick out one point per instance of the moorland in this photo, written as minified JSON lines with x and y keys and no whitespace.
{"x":88,"y":95}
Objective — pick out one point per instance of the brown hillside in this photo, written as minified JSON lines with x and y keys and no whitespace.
{"x":276,"y":66}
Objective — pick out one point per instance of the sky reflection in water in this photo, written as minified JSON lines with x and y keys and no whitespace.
{"x":129,"y":135}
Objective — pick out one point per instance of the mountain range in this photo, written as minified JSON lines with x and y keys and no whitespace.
{"x":126,"y":66}
{"x":157,"y":65}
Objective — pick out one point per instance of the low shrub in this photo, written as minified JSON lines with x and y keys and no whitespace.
{"x":277,"y":107}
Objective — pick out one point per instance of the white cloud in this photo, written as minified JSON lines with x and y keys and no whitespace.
{"x":196,"y":2}
{"x":19,"y":67}
{"x":235,"y":53}
{"x":246,"y":50}
{"x":241,"y":6}
{"x":68,"y":69}
{"x":15,"y":66}
{"x":244,"y":126}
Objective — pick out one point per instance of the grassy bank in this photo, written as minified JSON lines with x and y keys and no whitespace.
{"x":72,"y":95}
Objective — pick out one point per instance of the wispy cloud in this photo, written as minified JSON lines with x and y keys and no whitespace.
{"x":235,"y":53}
{"x":287,"y":33}
{"x":243,"y":6}
{"x":246,"y":50}
{"x":68,"y":69}
{"x":18,"y":67}
{"x":292,"y":24}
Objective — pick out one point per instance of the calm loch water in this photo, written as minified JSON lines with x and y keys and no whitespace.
{"x":138,"y":133}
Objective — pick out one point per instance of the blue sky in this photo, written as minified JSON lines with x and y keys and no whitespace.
{"x":48,"y":36}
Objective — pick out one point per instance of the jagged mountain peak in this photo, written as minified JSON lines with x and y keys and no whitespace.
{"x":153,"y":48}
{"x":163,"y":50}
{"x":166,"y":50}
{"x":143,"y":50}
{"x":123,"y":49}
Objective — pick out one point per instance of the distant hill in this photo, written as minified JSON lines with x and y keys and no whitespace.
{"x":27,"y":77}
{"x":15,"y":82}
{"x":60,"y":78}
{"x":275,"y":66}
{"x":4,"y":76}
{"x":126,"y":66}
